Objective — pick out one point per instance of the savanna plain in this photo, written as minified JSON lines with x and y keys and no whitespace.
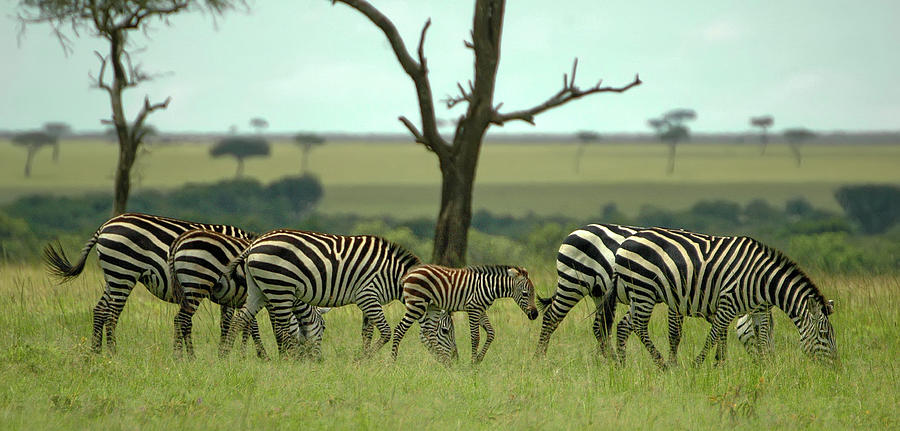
{"x":51,"y":380}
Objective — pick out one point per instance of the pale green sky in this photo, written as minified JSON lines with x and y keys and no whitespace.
{"x":305,"y":65}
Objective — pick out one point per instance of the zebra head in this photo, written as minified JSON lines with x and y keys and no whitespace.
{"x":443,"y":341}
{"x":817,"y":334}
{"x":523,"y":291}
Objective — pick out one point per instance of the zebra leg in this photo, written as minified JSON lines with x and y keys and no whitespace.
{"x":226,"y":316}
{"x":414,"y":312}
{"x":623,"y":331}
{"x":255,"y":301}
{"x":474,"y":329}
{"x":184,"y":324}
{"x":282,"y":313}
{"x":101,"y":313}
{"x":257,"y":340}
{"x":640,"y":317}
{"x":675,"y":322}
{"x":747,"y":334}
{"x":764,"y":326}
{"x":117,"y":298}
{"x":722,"y":319}
{"x":370,"y":306}
{"x":312,"y":327}
{"x":367,"y":329}
{"x":489,"y":330}
{"x":555,"y":313}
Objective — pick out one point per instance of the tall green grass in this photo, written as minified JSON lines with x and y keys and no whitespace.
{"x":52,"y":381}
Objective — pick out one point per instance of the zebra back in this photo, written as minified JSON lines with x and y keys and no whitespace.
{"x":216,"y":251}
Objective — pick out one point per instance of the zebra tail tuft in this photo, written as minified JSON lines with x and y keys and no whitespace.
{"x":58,"y":263}
{"x":177,"y":288}
{"x":606,"y":310}
{"x":543,"y":303}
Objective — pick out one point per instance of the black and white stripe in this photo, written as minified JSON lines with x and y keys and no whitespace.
{"x":471,"y":289}
{"x":324,"y":270}
{"x":197,"y":259}
{"x":131,"y":248}
{"x":584,"y":267}
{"x":718,"y":278}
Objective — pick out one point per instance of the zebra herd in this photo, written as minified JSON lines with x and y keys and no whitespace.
{"x":298,"y":276}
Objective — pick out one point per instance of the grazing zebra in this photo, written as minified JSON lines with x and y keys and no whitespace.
{"x":196,"y":261}
{"x":131,"y":248}
{"x":471,"y":289}
{"x":716,"y":277}
{"x":285,"y":266}
{"x":584,"y":267}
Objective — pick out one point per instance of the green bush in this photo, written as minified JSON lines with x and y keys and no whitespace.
{"x":830,"y":252}
{"x":875,"y":208}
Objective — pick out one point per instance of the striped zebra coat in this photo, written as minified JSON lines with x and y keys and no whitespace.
{"x":285,"y":266}
{"x":131,"y":248}
{"x":196,"y":261}
{"x":584,"y":267}
{"x":471,"y":289}
{"x":716,"y":277}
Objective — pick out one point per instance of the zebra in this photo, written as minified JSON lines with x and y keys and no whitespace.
{"x":471,"y":289}
{"x":325,"y":270}
{"x":131,"y":248}
{"x":584,"y":267}
{"x":196,"y":261}
{"x":717,"y":277}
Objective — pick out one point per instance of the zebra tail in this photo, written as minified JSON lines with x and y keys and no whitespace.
{"x":229,"y":270}
{"x":543,"y":303}
{"x":606,"y":310}
{"x":58,"y":263}
{"x":177,"y":288}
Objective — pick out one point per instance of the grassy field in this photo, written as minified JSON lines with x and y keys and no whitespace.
{"x":51,"y":381}
{"x":402,"y":180}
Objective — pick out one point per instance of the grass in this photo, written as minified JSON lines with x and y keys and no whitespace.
{"x":51,"y":381}
{"x":403,"y":180}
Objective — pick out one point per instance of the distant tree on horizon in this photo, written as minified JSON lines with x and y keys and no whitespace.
{"x":33,"y":142}
{"x":763,"y":123}
{"x":584,"y":137}
{"x":241,"y":147}
{"x":59,"y":130}
{"x":795,"y":138}
{"x":307,"y":141}
{"x":670,"y":128}
{"x":259,"y":124}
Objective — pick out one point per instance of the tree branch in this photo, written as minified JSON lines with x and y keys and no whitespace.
{"x":417,"y":71}
{"x":137,"y":131}
{"x":100,"y":79}
{"x":568,"y":93}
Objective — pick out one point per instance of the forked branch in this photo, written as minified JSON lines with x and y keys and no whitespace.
{"x":569,"y":92}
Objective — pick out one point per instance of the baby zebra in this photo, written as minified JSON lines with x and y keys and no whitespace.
{"x":196,"y":261}
{"x":471,"y":289}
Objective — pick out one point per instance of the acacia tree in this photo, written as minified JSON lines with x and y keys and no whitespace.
{"x":240,"y":147}
{"x":57,"y":129}
{"x":458,"y":157}
{"x":307,"y":141}
{"x":795,"y":138}
{"x":584,"y":138}
{"x":259,"y":124}
{"x":33,"y":142}
{"x":672,"y":130}
{"x":763,"y":123}
{"x":114,"y":21}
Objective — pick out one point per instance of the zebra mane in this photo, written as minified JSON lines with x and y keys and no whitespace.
{"x":400,"y":251}
{"x":490,"y":269}
{"x":784,"y":260}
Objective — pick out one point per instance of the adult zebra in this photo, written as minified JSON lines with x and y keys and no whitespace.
{"x":716,"y":277}
{"x":324,"y":270}
{"x":471,"y":289}
{"x":196,"y":261}
{"x":131,"y":248}
{"x":584,"y":267}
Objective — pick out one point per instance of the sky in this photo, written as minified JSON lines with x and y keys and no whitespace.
{"x":306,"y":65}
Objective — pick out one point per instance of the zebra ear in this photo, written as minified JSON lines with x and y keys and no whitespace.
{"x":814,"y":306}
{"x":829,"y":307}
{"x":513,"y":272}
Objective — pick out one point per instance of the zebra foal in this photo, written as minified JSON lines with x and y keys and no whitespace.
{"x":471,"y":289}
{"x":131,"y":248}
{"x":718,"y":278}
{"x":196,"y":261}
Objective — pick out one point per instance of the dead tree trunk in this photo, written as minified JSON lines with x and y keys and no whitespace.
{"x":459,"y":160}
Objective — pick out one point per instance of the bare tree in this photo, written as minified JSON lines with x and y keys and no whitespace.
{"x":795,"y":138}
{"x":59,"y":130}
{"x":114,"y":21}
{"x":584,"y":138}
{"x":458,"y":158}
{"x":672,"y":130}
{"x":307,"y":141}
{"x":763,"y":123}
{"x":259,"y":124}
{"x":33,"y":142}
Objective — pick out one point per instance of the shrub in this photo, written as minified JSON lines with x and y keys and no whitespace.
{"x":875,"y":208}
